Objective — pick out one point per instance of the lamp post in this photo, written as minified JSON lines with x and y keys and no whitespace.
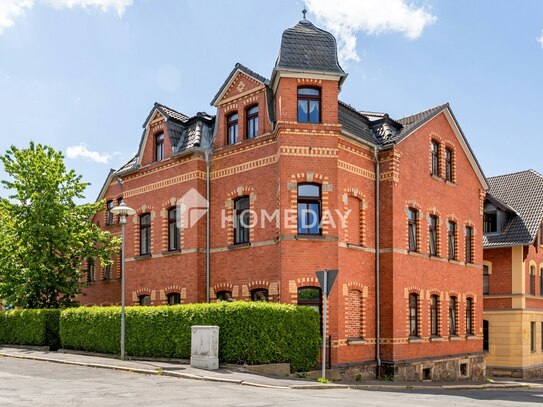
{"x":123,"y":211}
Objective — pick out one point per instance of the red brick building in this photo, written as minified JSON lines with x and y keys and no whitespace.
{"x":513,"y":275}
{"x":287,"y":152}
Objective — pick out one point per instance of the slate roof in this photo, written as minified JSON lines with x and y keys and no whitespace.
{"x":523,"y":192}
{"x":378,"y":128}
{"x":184,"y":133}
{"x":355,"y":122}
{"x":308,"y":48}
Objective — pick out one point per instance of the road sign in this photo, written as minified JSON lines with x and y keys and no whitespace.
{"x":330,"y":280}
{"x":327,"y":278}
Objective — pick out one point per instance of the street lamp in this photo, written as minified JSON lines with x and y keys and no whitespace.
{"x":123,"y":211}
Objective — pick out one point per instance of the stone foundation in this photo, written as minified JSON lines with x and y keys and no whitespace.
{"x":451,"y":368}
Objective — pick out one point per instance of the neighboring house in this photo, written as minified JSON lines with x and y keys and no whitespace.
{"x":289,"y":145}
{"x":513,"y":274}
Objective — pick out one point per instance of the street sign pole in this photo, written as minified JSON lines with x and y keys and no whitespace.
{"x":325,"y":302}
{"x":326,"y":279}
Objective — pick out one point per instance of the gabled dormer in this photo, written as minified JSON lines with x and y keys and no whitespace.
{"x":168,"y":133}
{"x":307,"y":76}
{"x":242,"y":106}
{"x":496,"y":215}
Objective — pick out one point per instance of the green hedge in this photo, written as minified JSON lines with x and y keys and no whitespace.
{"x":250,"y":332}
{"x":38,"y":327}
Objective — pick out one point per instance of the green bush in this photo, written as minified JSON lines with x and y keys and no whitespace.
{"x":250,"y":332}
{"x":38,"y":327}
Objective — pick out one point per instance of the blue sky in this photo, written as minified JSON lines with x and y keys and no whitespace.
{"x":82,"y":75}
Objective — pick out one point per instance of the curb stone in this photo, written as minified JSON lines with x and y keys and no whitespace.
{"x":319,"y":386}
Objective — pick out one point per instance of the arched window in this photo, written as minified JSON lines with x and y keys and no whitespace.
{"x":109,"y":215}
{"x":232,"y":128}
{"x":413,"y":315}
{"x":469,"y":316}
{"x":452,"y":316}
{"x":309,"y":105}
{"x":435,"y":158}
{"x":242,"y":220}
{"x":532,"y":280}
{"x":145,"y":234}
{"x":91,"y":270}
{"x":469,"y":244}
{"x":173,"y":230}
{"x":224,"y":296}
{"x":449,"y":165}
{"x":159,"y":147}
{"x":252,"y":122}
{"x":432,"y":231}
{"x":434,"y":312}
{"x":412,"y":229}
{"x":174,"y":298}
{"x":309,"y":209}
{"x":259,"y":294}
{"x":145,"y":299}
{"x":451,"y":236}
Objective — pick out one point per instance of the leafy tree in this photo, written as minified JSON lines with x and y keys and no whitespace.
{"x":45,"y":236}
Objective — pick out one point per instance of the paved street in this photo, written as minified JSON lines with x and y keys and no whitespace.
{"x":36,"y":383}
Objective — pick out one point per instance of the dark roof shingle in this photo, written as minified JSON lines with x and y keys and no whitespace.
{"x":523,"y":192}
{"x":308,"y":48}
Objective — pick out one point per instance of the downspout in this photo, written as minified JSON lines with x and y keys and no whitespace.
{"x":208,"y":216}
{"x":208,"y":155}
{"x":377,"y":274}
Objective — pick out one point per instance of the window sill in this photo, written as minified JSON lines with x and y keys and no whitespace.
{"x":453,"y":338}
{"x":451,"y":183}
{"x":454,"y":261}
{"x":309,"y":237}
{"x":415,"y":253}
{"x":471,"y":337}
{"x":171,"y":252}
{"x":437,"y":177}
{"x":356,"y":341}
{"x":436,"y":339}
{"x":415,"y":339}
{"x":238,"y":246}
{"x":142,"y":256}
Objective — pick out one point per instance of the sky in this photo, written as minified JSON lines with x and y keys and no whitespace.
{"x":82,"y":75}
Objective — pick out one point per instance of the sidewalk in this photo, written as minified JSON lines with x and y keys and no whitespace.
{"x":185,"y":371}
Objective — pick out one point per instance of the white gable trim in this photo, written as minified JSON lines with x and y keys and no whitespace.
{"x":227,"y":86}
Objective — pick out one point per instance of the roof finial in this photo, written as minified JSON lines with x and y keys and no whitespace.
{"x":304,"y":12}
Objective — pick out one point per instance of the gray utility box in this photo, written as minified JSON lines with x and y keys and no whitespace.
{"x":204,"y":352}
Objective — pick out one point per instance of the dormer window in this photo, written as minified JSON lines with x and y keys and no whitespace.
{"x":252,"y":122}
{"x":309,"y":105}
{"x":159,"y":147}
{"x":490,"y":222}
{"x":232,"y":128}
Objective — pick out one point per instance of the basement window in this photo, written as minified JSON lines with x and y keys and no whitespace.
{"x":427,"y":373}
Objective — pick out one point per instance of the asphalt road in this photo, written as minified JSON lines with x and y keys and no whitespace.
{"x":35,"y":383}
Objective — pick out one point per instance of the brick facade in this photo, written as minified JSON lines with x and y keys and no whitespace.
{"x":268,"y":169}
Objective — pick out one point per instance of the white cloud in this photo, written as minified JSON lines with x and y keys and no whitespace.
{"x":81,"y":150}
{"x":345,"y":18}
{"x":10,"y":10}
{"x":540,"y":39}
